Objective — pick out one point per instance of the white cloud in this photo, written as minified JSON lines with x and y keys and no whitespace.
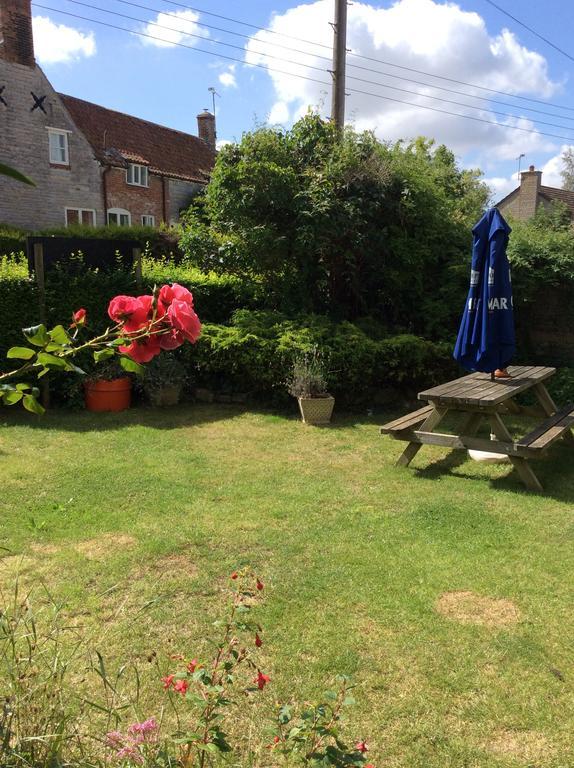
{"x":551,"y":169}
{"x":426,"y":35}
{"x":227,"y":79}
{"x":220,"y":143}
{"x":169,"y":29}
{"x":57,"y":43}
{"x":501,"y":186}
{"x":279,"y":113}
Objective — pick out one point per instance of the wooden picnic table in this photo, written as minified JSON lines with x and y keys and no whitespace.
{"x":480,"y":399}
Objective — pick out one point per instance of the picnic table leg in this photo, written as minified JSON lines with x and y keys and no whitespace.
{"x":431,"y":421}
{"x":471,"y":424}
{"x":549,"y":406}
{"x":521,"y":465}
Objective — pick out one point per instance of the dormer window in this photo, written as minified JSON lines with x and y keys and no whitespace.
{"x":137,"y":175}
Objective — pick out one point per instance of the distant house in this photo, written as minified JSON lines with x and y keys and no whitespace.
{"x":523,"y":202}
{"x":91,"y":165}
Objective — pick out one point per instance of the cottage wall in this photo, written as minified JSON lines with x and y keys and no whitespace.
{"x":24,"y":145}
{"x":181,"y":193}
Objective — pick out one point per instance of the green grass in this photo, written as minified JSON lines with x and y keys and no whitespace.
{"x":135,"y":521}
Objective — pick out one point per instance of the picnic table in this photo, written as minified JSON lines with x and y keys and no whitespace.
{"x":480,"y":399}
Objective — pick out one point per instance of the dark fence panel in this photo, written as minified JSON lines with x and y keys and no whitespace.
{"x":101,"y":253}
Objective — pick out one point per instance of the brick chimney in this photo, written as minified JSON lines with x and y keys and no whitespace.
{"x":16,"y":38}
{"x":206,"y":128}
{"x":530,"y":182}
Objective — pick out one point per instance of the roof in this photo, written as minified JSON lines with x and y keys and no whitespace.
{"x":115,"y":135}
{"x":563,"y":195}
{"x":551,"y":194}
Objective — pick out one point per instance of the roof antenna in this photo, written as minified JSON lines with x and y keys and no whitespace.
{"x":213,"y":93}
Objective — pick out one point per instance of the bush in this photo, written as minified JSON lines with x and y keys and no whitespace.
{"x":11,"y":240}
{"x":255,"y":354}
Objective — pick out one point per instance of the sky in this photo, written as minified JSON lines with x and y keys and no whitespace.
{"x":491,"y":68}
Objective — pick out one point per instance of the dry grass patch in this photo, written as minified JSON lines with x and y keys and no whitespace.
{"x":470,"y":608}
{"x":105,"y":545}
{"x":527,"y":746}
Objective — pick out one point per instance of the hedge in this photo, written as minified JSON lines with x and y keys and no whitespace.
{"x":253,"y":356}
{"x":68,"y":288}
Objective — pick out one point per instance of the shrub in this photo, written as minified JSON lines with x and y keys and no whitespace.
{"x":255,"y":353}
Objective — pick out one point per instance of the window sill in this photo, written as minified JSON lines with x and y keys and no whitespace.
{"x":139,"y":186}
{"x":62,"y":166}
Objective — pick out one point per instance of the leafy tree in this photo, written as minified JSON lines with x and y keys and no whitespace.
{"x":338,"y":224}
{"x":567,"y":171}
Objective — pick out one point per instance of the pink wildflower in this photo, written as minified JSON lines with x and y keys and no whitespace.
{"x":361,"y":746}
{"x":167,"y":681}
{"x":192,"y":666}
{"x":261,"y":680}
{"x":181,"y":686}
{"x":259,"y":585}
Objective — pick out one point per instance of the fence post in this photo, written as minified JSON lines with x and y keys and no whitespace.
{"x":137,"y":254}
{"x":40,"y":282}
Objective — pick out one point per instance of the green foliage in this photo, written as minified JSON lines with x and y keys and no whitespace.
{"x":347,"y":226}
{"x":256,"y":352}
{"x":308,"y":377}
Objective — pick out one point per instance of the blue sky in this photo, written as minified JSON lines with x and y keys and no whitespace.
{"x":470,"y":41}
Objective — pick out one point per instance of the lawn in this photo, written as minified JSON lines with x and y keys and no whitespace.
{"x":444,"y":589}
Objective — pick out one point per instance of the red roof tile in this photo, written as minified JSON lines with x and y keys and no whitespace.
{"x":167,"y":151}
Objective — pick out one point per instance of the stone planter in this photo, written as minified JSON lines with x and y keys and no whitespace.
{"x":316,"y":410}
{"x":167,"y":395}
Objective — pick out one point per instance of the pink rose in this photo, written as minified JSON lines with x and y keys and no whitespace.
{"x":79,"y":317}
{"x":183,"y":318}
{"x":169,"y":293}
{"x":171,"y":340}
{"x":142,"y":350}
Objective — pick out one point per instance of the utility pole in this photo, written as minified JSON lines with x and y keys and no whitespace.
{"x":339,"y":63}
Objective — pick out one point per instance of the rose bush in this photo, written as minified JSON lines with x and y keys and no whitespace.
{"x":144,"y":325}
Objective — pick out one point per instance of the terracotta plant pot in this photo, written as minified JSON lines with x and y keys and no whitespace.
{"x":316,"y":410}
{"x":108,"y":395}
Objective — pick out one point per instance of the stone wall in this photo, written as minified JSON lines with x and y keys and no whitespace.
{"x":24,"y":145}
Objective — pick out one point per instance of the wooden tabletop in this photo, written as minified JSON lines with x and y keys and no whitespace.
{"x":478,"y":390}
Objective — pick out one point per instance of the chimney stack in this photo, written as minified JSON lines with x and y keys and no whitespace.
{"x":206,"y":128}
{"x":16,"y":38}
{"x":530,"y":182}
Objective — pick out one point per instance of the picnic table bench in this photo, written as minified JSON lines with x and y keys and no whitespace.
{"x":478,"y":398}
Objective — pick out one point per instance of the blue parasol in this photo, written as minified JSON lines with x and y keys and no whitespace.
{"x":486,"y":339}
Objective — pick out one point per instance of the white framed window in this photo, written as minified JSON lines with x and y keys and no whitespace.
{"x":86,"y":216}
{"x":58,"y":144}
{"x":148,"y":220}
{"x":120,"y":217}
{"x":137,"y":175}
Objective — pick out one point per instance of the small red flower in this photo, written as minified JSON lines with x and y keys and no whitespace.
{"x":258,"y":640}
{"x":167,"y":681}
{"x":191,"y":666}
{"x":361,"y":746}
{"x":262,"y":680}
{"x":260,"y":585}
{"x":276,"y":739}
{"x":181,"y":686}
{"x":79,"y":317}
{"x":234,"y":575}
{"x":369,"y":765}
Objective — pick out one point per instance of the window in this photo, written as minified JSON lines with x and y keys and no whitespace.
{"x":120,"y":217}
{"x":58,"y":141}
{"x":148,"y":221}
{"x":86,"y":216}
{"x":137,"y":175}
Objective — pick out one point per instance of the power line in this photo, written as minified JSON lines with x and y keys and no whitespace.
{"x":359,"y":56}
{"x":532,"y":31}
{"x":354,"y":66}
{"x":320,"y":69}
{"x":303,"y":77}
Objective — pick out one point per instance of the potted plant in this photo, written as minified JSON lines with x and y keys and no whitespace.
{"x":110,"y":389}
{"x":308,"y":383}
{"x":163,"y":380}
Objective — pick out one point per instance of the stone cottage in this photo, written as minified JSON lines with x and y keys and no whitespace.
{"x":91,"y":165}
{"x":523,"y":202}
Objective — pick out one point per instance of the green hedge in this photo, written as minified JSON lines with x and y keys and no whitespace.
{"x":253,"y":356}
{"x":216,"y":298}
